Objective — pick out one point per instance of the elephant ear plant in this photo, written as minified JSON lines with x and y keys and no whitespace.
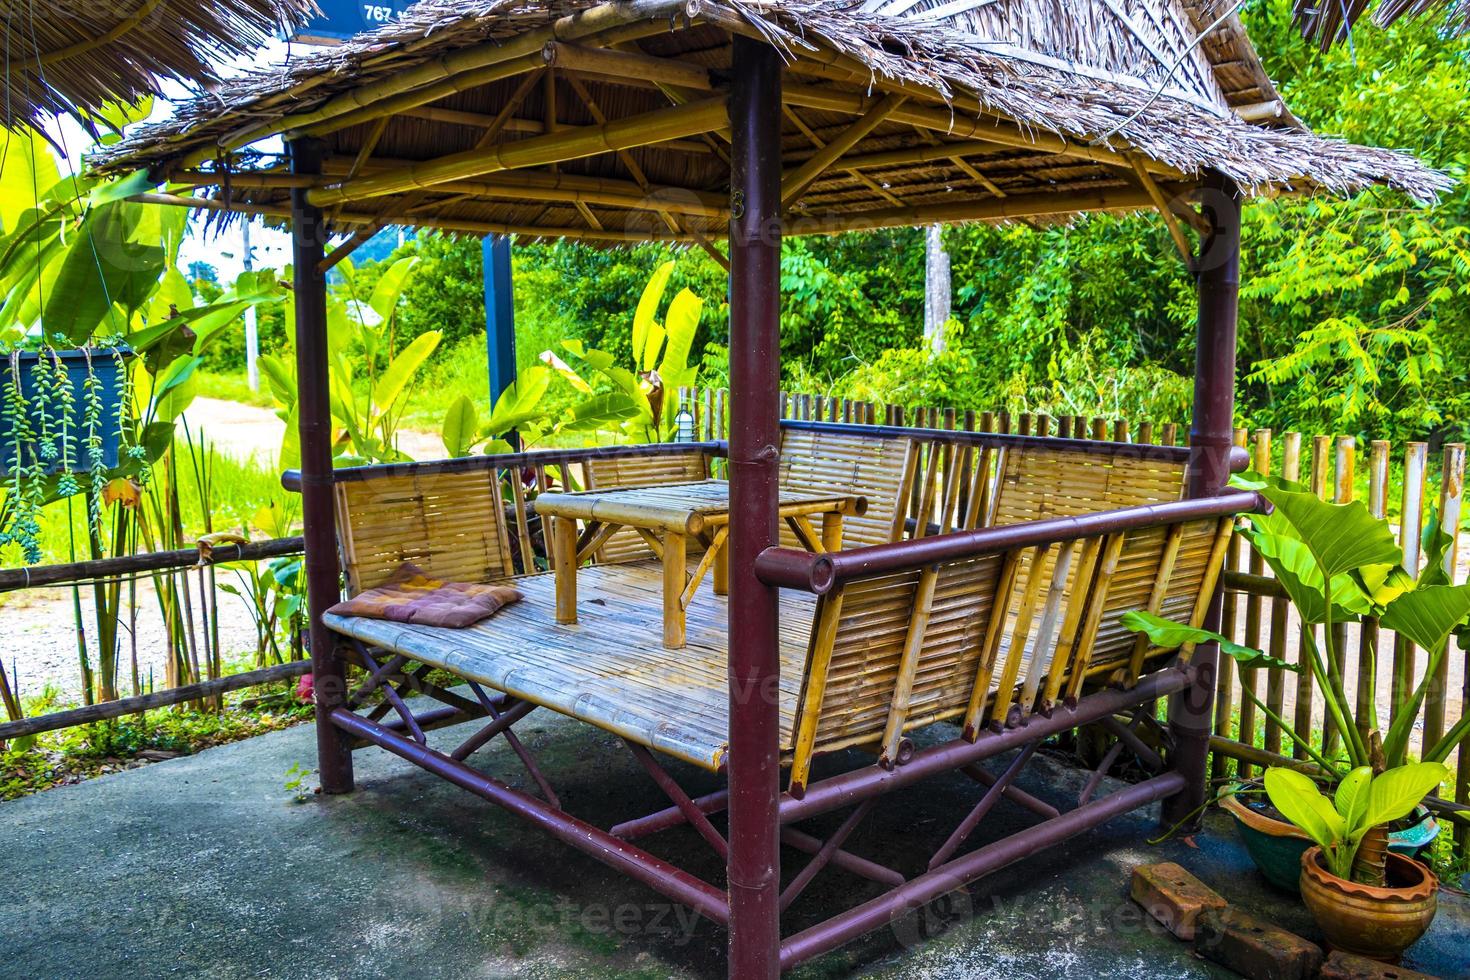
{"x":1338,"y":564}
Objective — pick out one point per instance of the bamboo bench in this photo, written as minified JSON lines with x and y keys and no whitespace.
{"x":996,"y":631}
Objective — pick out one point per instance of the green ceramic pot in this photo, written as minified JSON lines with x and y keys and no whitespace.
{"x":1277,"y":846}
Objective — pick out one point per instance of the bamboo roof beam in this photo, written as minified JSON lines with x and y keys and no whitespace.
{"x":507,"y":112}
{"x":525,"y":185}
{"x":963,"y":165}
{"x":1016,"y":206}
{"x":628,"y":64}
{"x":635,"y":236}
{"x":1162,"y":204}
{"x":987,"y":130}
{"x":573,"y":143}
{"x":456,"y":71}
{"x":794,"y":183}
{"x":857,"y":175}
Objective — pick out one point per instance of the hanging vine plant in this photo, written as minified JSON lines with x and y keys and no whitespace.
{"x":65,"y":425}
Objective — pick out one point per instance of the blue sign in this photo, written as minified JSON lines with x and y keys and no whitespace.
{"x":341,"y":19}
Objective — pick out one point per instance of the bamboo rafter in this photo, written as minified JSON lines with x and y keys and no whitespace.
{"x":567,"y":144}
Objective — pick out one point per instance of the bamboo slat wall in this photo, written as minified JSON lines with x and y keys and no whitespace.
{"x":1404,"y":483}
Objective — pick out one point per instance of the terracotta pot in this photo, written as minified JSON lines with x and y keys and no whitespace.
{"x":1379,"y":923}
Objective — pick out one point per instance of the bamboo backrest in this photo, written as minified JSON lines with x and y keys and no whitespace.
{"x":990,"y":639}
{"x":640,"y":471}
{"x":452,"y":525}
{"x":869,"y":466}
{"x":1036,"y":482}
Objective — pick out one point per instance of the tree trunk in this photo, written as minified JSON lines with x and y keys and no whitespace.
{"x":936,"y":288}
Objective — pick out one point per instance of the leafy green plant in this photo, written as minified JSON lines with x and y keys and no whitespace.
{"x":368,"y":375}
{"x":1361,"y":803}
{"x":1339,"y":564}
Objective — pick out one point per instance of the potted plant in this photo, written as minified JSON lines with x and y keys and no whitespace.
{"x":1337,"y":564}
{"x":1365,"y":901}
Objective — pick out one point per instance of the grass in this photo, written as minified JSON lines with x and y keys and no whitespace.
{"x":233,"y":387}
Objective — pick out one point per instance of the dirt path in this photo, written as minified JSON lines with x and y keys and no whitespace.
{"x":246,"y":431}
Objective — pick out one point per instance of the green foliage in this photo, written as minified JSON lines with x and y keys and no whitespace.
{"x":1363,"y":801}
{"x":1338,"y":564}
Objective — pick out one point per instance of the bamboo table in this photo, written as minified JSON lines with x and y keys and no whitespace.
{"x":668,"y":517}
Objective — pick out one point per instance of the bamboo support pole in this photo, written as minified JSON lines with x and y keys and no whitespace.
{"x":1291,"y":464}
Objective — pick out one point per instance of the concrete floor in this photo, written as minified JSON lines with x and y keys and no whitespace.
{"x":207,"y":865}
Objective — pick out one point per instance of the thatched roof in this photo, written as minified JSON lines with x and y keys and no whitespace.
{"x":63,"y":56}
{"x":605,"y":121}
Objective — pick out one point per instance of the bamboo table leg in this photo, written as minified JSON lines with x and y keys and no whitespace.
{"x":722,"y":567}
{"x":564,"y":565}
{"x":832,"y":531}
{"x":674,"y":556}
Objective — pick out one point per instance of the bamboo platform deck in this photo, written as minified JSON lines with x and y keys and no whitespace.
{"x":608,"y":669}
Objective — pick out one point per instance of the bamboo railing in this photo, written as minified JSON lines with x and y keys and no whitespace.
{"x":1404,"y":483}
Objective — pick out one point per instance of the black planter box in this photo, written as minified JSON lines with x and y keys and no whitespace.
{"x":107,"y":370}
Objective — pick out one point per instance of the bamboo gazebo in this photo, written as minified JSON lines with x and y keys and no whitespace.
{"x":981,"y":578}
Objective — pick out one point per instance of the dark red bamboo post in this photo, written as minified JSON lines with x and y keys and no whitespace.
{"x":1218,"y":278}
{"x":329,"y":675}
{"x":755,"y":435}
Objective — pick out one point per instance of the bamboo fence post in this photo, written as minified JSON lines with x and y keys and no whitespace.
{"x":1120,"y":430}
{"x":1064,"y":427}
{"x":1451,"y":484}
{"x":1146,"y":432}
{"x":1291,"y":469}
{"x":1345,"y":459}
{"x":1023,"y":424}
{"x":1100,"y":429}
{"x":1043,"y":425}
{"x":1411,"y":526}
{"x":1171,"y":434}
{"x":1225,"y":672}
{"x":1368,"y":631}
{"x":1306,"y":684}
{"x":1261,"y":463}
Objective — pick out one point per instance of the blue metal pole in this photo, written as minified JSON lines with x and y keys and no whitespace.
{"x":500,"y":321}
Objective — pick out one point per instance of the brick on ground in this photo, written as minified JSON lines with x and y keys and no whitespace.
{"x":1347,"y":966}
{"x":1175,"y":897}
{"x":1255,"y":949}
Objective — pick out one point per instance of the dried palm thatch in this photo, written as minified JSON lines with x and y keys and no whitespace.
{"x":63,"y":56}
{"x":605,"y":121}
{"x":1330,"y":22}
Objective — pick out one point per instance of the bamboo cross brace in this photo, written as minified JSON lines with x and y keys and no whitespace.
{"x":1046,"y":633}
{"x":987,"y":803}
{"x":793,"y":184}
{"x":691,"y":811}
{"x":858,"y":175}
{"x":1175,"y":232}
{"x":596,"y":536}
{"x":994,"y":630}
{"x":824,"y":856}
{"x":813,"y":688}
{"x":1005,"y":692}
{"x":1062,"y":658}
{"x":1174,"y":537}
{"x":1097,"y":602}
{"x":514,"y":741}
{"x":908,"y":666}
{"x":566,"y":144}
{"x":711,"y":555}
